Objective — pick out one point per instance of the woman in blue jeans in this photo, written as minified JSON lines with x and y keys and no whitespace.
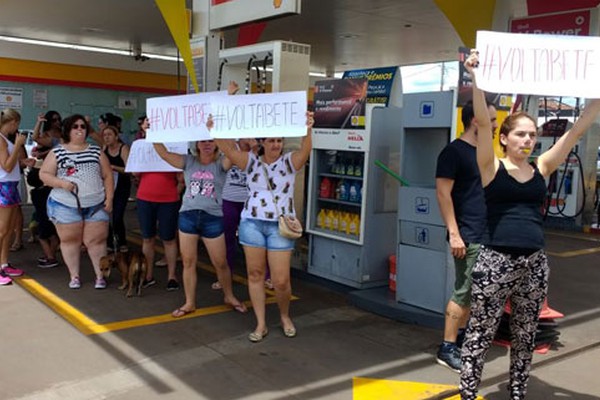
{"x":201,"y":216}
{"x":259,"y":231}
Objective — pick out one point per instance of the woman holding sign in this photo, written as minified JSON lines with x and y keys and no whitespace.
{"x":201,"y":216}
{"x":270,"y":179}
{"x":512,"y":264}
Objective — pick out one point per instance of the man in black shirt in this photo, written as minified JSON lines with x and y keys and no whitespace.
{"x":462,"y":204}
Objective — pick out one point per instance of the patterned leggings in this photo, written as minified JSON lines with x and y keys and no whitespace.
{"x":497,"y":277}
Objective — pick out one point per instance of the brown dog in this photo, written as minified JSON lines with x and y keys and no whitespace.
{"x":132,"y":266}
{"x":137,"y":273}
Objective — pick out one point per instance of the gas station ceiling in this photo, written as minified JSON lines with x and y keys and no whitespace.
{"x":344,"y":34}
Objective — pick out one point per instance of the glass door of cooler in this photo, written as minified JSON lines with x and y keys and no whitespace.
{"x":336,"y":197}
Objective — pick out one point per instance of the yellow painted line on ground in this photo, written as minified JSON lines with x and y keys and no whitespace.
{"x":75,"y":317}
{"x":384,"y":389}
{"x":88,"y":326}
{"x":574,"y":253}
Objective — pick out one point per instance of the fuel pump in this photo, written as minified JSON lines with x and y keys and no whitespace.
{"x":566,"y":192}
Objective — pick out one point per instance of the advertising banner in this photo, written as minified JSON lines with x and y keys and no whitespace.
{"x":380,"y":81}
{"x":259,"y":115}
{"x":340,"y":103}
{"x":544,"y":65}
{"x":11,"y":98}
{"x":226,"y":13}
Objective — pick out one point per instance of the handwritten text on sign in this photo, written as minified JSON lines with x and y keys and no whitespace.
{"x":259,"y":115}
{"x":538,"y":64}
{"x":143,"y":157}
{"x":179,"y":118}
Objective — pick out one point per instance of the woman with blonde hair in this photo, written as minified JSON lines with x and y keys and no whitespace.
{"x":10,"y":199}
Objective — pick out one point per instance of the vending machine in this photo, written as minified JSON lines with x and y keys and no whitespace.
{"x":352,"y":203}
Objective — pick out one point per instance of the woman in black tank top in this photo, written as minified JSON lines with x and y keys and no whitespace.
{"x":512,"y":264}
{"x":117,"y":153}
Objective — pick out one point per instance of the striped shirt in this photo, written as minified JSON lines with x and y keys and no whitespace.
{"x":82,"y":168}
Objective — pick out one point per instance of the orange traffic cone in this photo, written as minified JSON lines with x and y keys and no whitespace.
{"x":546,"y":313}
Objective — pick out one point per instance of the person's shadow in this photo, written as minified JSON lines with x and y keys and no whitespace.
{"x":540,"y":390}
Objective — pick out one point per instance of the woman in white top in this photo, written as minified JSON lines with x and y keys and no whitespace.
{"x":10,"y":199}
{"x":81,"y":197}
{"x":270,"y":179}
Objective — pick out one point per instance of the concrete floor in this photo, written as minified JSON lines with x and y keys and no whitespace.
{"x":100,"y":345}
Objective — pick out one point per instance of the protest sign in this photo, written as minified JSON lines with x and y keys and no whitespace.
{"x":143,"y":157}
{"x":541,"y":65}
{"x":259,"y":115}
{"x":179,"y":118}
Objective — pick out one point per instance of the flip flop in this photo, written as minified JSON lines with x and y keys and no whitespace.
{"x":256,"y":337}
{"x":16,"y":247}
{"x":180,"y":312}
{"x":241,"y":308}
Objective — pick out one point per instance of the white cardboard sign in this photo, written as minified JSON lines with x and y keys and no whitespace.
{"x":179,"y":118}
{"x":143,"y":157}
{"x":541,"y":65}
{"x":259,"y":115}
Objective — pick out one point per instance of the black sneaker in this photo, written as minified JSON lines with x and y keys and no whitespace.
{"x":147,"y":283}
{"x":48,"y":263}
{"x":172,"y":285}
{"x":449,"y":356}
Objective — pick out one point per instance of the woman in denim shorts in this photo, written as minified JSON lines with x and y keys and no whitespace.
{"x":201,"y":216}
{"x":81,"y":198}
{"x":259,"y":229}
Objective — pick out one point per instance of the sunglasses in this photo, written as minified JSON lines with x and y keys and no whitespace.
{"x":78,"y":126}
{"x":55,"y":118}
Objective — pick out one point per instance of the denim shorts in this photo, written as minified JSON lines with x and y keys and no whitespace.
{"x":265,"y":234}
{"x":150,"y":212}
{"x":59,"y":213}
{"x":198,"y":222}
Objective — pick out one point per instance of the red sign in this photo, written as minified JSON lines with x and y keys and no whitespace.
{"x":535,"y":7}
{"x":573,"y":23}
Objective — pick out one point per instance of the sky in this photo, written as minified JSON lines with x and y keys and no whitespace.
{"x":428,"y":77}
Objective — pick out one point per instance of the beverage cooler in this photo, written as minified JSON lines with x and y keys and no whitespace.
{"x":352,"y":204}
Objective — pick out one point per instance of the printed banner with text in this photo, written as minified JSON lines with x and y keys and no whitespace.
{"x":259,"y":115}
{"x":543,"y":65}
{"x":179,"y":118}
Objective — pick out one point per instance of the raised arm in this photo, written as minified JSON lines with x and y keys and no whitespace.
{"x":174,"y":159}
{"x":549,"y":161}
{"x":9,"y":161}
{"x":300,"y":156}
{"x":232,"y":153}
{"x":38,"y":136}
{"x":486,"y":158}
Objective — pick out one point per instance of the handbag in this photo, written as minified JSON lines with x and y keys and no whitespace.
{"x":289,"y":226}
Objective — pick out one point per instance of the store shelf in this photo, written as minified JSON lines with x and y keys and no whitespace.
{"x":334,"y":234}
{"x":339,"y":176}
{"x":346,"y":203}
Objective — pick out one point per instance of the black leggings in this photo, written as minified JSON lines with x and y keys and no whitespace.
{"x":496,"y":278}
